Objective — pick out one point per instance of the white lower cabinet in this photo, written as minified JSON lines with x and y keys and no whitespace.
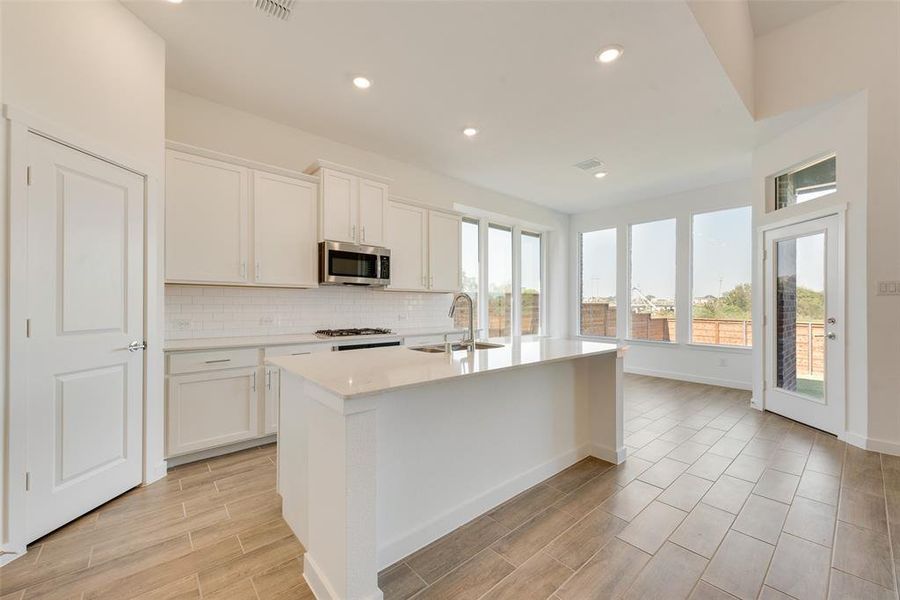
{"x":212,"y":408}
{"x":273,"y":380}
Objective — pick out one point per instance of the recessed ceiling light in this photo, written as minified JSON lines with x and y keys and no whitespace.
{"x":362,"y":83}
{"x":600,"y":174}
{"x":470,"y":132}
{"x":174,"y":1}
{"x":609,"y":54}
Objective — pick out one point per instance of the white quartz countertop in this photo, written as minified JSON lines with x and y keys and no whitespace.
{"x":372,"y":371}
{"x":297,"y":338}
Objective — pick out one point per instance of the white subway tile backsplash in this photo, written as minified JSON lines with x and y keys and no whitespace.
{"x":209,"y":311}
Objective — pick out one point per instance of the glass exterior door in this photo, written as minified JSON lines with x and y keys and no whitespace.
{"x":804,"y":323}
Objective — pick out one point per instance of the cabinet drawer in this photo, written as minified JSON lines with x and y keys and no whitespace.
{"x":297,"y":349}
{"x":211,"y":360}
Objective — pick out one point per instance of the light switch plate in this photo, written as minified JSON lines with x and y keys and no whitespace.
{"x":889,"y":288}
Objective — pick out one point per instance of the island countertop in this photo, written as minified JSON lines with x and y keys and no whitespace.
{"x":372,"y":371}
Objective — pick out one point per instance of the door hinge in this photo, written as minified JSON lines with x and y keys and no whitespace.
{"x":27,"y":481}
{"x":28,"y":175}
{"x":765,"y":254}
{"x":28,"y":328}
{"x":765,"y":320}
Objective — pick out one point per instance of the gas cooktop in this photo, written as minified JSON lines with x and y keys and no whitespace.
{"x":330,"y":333}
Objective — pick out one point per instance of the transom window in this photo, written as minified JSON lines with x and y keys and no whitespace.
{"x":806,"y":183}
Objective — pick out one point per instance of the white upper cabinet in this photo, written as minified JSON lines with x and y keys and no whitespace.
{"x":372,"y":206}
{"x":207,"y":220}
{"x":352,"y":207}
{"x":407,"y":231}
{"x":230,"y":223}
{"x":444,"y":230}
{"x":425,"y":248}
{"x":340,"y":206}
{"x":284,"y":231}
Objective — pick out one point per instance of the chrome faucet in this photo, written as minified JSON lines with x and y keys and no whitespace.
{"x":469,"y":341}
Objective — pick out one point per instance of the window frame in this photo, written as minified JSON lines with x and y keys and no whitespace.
{"x":516,"y":229}
{"x":542,"y":298}
{"x":629,"y":287}
{"x":771,"y":206}
{"x":690,"y":325}
{"x":580,"y":284}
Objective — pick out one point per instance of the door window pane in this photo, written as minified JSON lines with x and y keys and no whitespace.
{"x":808,"y":183}
{"x":531,"y":283}
{"x":470,"y":262}
{"x":499,"y":280}
{"x":800,"y":315}
{"x":598,"y":283}
{"x":653,"y":281}
{"x":721,"y":261}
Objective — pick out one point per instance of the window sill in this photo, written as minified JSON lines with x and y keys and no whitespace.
{"x":597,"y":338}
{"x":659,"y":343}
{"x":720,"y":348}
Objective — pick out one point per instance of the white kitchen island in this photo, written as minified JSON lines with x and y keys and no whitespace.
{"x":382,"y":451}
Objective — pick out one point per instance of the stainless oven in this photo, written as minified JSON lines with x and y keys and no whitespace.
{"x":341,"y":263}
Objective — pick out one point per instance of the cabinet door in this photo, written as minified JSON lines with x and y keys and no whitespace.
{"x":340,"y":201}
{"x":443,"y":251}
{"x":273,"y":380}
{"x":372,"y":201}
{"x":284,"y":231}
{"x":406,"y":228}
{"x":206,"y":220}
{"x":205,"y":410}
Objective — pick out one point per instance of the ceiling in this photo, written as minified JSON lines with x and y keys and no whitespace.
{"x":664,"y":118}
{"x":769,"y":15}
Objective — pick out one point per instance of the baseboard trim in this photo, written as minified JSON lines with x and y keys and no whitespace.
{"x":7,"y":556}
{"x":728,"y":383}
{"x":220,"y":450}
{"x":322,"y":588}
{"x":158,"y":472}
{"x":407,"y":543}
{"x":616,"y":457}
{"x":867,"y":443}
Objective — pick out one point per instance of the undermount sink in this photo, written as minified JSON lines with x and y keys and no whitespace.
{"x":438,"y":348}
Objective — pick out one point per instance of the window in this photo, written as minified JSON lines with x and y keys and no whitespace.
{"x":531,"y":283}
{"x":653,"y":281}
{"x":499,"y":281}
{"x":470,"y":261}
{"x":598,"y":283}
{"x":809,"y":182}
{"x":720,"y":305}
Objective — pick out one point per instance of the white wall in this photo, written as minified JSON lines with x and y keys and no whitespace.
{"x":729,"y":31}
{"x":93,"y":70}
{"x":850,"y":47}
{"x":840,"y":129}
{"x":678,"y":360}
{"x":202,"y":123}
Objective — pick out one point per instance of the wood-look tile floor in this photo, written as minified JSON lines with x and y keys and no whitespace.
{"x":716,"y":500}
{"x":210,"y":529}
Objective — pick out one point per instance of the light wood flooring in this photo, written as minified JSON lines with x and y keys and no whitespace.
{"x":715,"y":501}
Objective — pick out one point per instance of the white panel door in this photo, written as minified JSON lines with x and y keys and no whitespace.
{"x":340,"y":202}
{"x":372,"y":204}
{"x":207,"y":220}
{"x":407,"y":228}
{"x":284,"y":231}
{"x":804,"y":317}
{"x":444,"y":232}
{"x":211,"y":409}
{"x":85,"y":306}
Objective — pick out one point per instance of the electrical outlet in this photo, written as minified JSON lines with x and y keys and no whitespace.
{"x":182,"y":324}
{"x":889,"y":288}
{"x":723,"y":362}
{"x":266,"y":320}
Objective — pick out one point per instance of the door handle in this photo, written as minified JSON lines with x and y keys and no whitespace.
{"x":136,"y":345}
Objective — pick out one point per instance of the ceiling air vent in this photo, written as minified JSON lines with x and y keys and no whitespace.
{"x":280,"y":9}
{"x":591,"y":164}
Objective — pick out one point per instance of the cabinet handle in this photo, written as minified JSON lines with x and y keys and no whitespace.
{"x":431,"y":281}
{"x":257,"y":270}
{"x":254,"y":381}
{"x":243,"y":270}
{"x":299,"y":353}
{"x":268,"y":379}
{"x":353,"y":232}
{"x":363,"y":231}
{"x":218,"y":360}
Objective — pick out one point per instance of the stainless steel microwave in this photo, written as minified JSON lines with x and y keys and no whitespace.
{"x":341,"y":263}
